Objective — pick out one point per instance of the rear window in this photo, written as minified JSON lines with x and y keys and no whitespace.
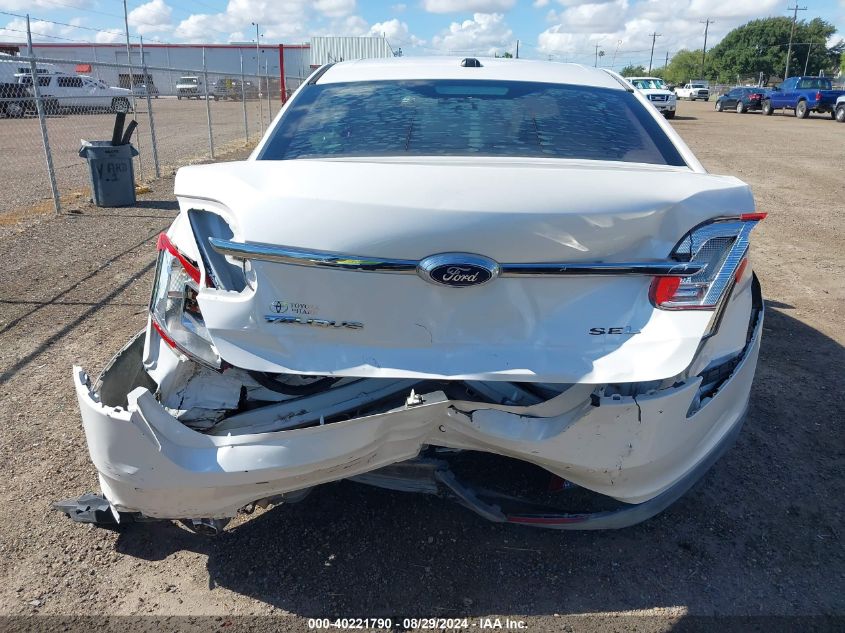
{"x":468,"y":118}
{"x":815,"y":83}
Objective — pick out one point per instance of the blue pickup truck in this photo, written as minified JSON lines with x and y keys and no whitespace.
{"x":803,"y":95}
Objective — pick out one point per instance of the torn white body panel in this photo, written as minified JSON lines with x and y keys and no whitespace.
{"x":629,"y":448}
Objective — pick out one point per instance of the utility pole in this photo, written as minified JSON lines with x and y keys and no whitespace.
{"x":807,"y":63}
{"x":517,"y":49}
{"x":795,"y":11}
{"x":596,"y":63}
{"x":654,"y":37}
{"x":706,"y":24}
{"x":666,"y":63}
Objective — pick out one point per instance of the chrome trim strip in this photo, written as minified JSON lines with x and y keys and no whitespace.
{"x":652,"y":269}
{"x":317,"y":259}
{"x":325,"y":259}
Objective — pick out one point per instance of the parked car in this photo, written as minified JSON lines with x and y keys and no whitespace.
{"x":803,"y":95}
{"x":142,"y":89}
{"x":656,"y":92}
{"x":519,"y":265}
{"x":225,"y":89}
{"x":839,"y":113}
{"x":741,"y":99}
{"x":693,"y":91}
{"x":64,"y":91}
{"x":15,"y":100}
{"x":250,"y":90}
{"x":190,"y":87}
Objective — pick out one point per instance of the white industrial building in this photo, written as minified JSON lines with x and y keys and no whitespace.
{"x":285,"y":64}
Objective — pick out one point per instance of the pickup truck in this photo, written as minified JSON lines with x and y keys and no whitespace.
{"x":839,"y":113}
{"x":803,"y":95}
{"x":693,"y":91}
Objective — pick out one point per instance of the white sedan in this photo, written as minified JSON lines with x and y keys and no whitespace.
{"x":429,"y":274}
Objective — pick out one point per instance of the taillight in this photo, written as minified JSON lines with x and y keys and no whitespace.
{"x":818,"y":96}
{"x":722,"y":247}
{"x":174,"y":311}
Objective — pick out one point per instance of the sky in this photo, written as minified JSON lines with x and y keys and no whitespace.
{"x":560,"y":30}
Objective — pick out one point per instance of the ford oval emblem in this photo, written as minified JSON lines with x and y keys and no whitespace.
{"x":458,"y":270}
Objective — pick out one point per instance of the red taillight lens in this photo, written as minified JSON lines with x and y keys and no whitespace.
{"x":663,"y":289}
{"x":164,"y":244}
{"x":174,"y":308}
{"x":720,"y":246}
{"x":741,"y":269}
{"x":818,"y":96}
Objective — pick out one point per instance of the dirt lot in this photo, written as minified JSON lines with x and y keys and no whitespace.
{"x":760,"y":535}
{"x":181,"y":133}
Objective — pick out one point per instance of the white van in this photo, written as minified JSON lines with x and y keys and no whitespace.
{"x":190,"y":87}
{"x":79,"y":92}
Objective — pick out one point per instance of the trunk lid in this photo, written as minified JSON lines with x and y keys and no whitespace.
{"x":553,"y":329}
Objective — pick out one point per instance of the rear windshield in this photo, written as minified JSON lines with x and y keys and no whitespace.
{"x":815,"y":83}
{"x":468,"y":118}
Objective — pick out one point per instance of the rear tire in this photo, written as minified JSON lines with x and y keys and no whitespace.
{"x":718,"y":106}
{"x":740,"y":107}
{"x":840,"y":114}
{"x":801,"y":110}
{"x":768,"y":110}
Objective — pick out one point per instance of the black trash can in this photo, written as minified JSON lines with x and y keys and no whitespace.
{"x":111,"y":173}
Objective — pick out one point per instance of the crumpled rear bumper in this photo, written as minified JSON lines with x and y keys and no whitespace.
{"x":631,"y":449}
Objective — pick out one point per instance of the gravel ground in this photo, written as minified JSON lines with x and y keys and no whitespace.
{"x":759,"y":536}
{"x":181,"y":135}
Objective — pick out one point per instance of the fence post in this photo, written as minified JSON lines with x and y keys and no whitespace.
{"x":207,"y":104}
{"x":132,"y":89}
{"x":269,"y":101}
{"x":243,"y":96}
{"x":147,"y":84}
{"x":39,"y":105}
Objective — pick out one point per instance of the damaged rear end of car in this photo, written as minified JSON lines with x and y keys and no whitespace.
{"x":561,"y":339}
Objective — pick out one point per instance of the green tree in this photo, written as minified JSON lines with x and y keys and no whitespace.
{"x":633,"y":71}
{"x":761,"y":46}
{"x":683,"y":66}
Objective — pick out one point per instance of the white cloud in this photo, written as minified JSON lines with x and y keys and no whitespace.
{"x":278,"y":19}
{"x":335,"y":8}
{"x":396,"y":32}
{"x":577,"y":28}
{"x":352,"y":25}
{"x":43,"y":31}
{"x":44,"y":5}
{"x":152,"y":17}
{"x":539,"y":4}
{"x":110,"y":36}
{"x":485,"y":33}
{"x":595,"y":18}
{"x":401,"y":7}
{"x":465,"y":6}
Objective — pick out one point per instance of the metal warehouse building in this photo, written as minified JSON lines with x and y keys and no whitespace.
{"x":285,"y":64}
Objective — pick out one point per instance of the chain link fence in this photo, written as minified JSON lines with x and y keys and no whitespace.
{"x":47,"y":107}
